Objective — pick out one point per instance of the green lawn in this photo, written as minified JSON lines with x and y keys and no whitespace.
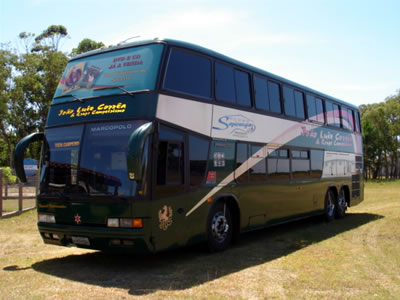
{"x":354,"y":258}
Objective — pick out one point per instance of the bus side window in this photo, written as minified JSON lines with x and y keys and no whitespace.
{"x":225,"y":83}
{"x":198,"y":159}
{"x":170,"y":163}
{"x":261,"y":94}
{"x":170,"y":158}
{"x":317,"y":163}
{"x":300,"y":164}
{"x":279,"y":165}
{"x":188,"y":74}
{"x":274,"y":97}
{"x":242,"y":156}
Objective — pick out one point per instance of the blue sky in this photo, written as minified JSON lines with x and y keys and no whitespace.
{"x":346,"y":49}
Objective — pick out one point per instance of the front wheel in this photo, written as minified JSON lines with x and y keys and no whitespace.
{"x":329,"y":206}
{"x":219,"y":227}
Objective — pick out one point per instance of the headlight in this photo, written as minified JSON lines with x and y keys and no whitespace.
{"x":125,"y":223}
{"x":46,"y":218}
{"x":113,"y":222}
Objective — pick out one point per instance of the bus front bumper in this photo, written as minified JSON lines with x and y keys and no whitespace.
{"x":97,"y":238}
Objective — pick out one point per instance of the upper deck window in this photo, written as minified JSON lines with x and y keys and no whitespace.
{"x":274,"y":97}
{"x":188,"y":74}
{"x":332,"y":114}
{"x":232,"y":86}
{"x":294,"y":104}
{"x":315,"y":109}
{"x":347,"y":118}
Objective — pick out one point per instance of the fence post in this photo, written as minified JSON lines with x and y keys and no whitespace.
{"x":20,"y":195}
{"x":1,"y":192}
{"x":5,"y":189}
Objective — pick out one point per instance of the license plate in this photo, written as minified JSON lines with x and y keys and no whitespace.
{"x":79,"y":240}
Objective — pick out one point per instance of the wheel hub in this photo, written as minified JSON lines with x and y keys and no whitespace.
{"x":219,"y":227}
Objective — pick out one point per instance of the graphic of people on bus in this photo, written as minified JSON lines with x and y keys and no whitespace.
{"x":80,"y":76}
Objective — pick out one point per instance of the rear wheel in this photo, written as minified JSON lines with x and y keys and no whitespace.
{"x":329,"y":206}
{"x":341,"y":205}
{"x":219,"y":227}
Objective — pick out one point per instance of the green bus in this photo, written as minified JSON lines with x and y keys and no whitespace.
{"x":159,"y":144}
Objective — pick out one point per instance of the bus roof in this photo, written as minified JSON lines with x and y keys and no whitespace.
{"x":219,"y":56}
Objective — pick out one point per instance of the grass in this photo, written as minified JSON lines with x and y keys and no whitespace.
{"x":353,"y":258}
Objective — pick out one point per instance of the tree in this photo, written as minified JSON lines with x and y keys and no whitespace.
{"x":27,"y":84}
{"x":381,"y":132}
{"x":50,"y":38}
{"x":86,"y":45}
{"x":7,"y":61}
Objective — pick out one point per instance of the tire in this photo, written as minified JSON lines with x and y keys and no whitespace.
{"x":219,"y":227}
{"x":330,"y":201}
{"x":341,"y":205}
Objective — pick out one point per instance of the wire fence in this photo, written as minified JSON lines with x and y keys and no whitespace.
{"x":17,"y":198}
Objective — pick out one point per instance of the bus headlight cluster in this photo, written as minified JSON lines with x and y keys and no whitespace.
{"x":125,"y":223}
{"x":46,"y":218}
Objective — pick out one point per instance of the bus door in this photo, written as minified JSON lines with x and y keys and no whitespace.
{"x":168,"y":205}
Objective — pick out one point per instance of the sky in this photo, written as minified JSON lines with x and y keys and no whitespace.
{"x":348,"y":49}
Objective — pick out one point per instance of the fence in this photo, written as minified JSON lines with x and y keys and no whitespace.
{"x":17,"y":198}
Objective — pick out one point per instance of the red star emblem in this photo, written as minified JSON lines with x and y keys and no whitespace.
{"x":78,"y":219}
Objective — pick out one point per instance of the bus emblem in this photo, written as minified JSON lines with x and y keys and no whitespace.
{"x":165,"y":217}
{"x":78,"y":219}
{"x":237,"y":125}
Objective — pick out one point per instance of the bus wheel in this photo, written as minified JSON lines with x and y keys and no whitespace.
{"x":329,"y":206}
{"x":219,"y":227}
{"x":341,"y":207}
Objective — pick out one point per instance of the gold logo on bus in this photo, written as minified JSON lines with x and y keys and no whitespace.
{"x":165,"y":217}
{"x":101,"y":109}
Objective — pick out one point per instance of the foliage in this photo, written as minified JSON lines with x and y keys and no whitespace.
{"x":381,"y":132}
{"x":7,"y":175}
{"x":86,"y":45}
{"x":28,"y":81}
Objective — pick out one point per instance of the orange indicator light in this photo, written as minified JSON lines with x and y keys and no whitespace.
{"x":137,"y":223}
{"x":209,"y":200}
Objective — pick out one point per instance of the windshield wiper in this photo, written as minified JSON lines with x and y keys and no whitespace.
{"x":70,"y":95}
{"x":121,"y":87}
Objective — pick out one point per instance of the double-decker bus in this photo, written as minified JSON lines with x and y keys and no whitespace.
{"x":159,"y":144}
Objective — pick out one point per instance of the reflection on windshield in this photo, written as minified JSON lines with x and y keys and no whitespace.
{"x":92,"y":165}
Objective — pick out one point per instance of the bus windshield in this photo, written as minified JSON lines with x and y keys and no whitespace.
{"x":130,"y":69}
{"x":88,"y":160}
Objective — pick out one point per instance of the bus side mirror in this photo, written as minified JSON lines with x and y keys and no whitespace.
{"x":135,"y":150}
{"x":19,"y":153}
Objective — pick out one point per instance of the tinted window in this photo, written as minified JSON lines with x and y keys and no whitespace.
{"x":347,"y":118}
{"x":261,"y":93}
{"x":299,"y":104}
{"x":198,"y":153}
{"x":288,"y":96}
{"x":357,"y":121}
{"x":189,"y":74}
{"x":278,"y":165}
{"x":311,"y":108}
{"x":242,"y":88}
{"x":241,"y":158}
{"x":317,"y":159}
{"x":336,"y":115}
{"x":329,"y":113}
{"x":258,"y":171}
{"x":274,"y":97}
{"x":300,"y":164}
{"x":320,"y":117}
{"x":225,"y":83}
{"x":170,"y":159}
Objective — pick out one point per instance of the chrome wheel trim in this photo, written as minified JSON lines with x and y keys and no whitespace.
{"x":219,"y":227}
{"x":330,"y":205}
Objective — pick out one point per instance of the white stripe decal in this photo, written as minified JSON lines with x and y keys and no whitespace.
{"x":281,"y":139}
